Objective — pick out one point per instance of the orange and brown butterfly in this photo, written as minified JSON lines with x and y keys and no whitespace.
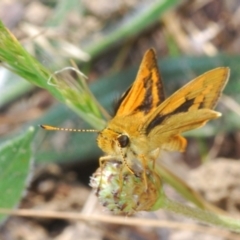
{"x":145,"y":122}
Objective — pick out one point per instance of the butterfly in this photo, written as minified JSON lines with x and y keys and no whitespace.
{"x":146,"y":122}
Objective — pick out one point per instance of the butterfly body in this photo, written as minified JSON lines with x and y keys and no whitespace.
{"x":145,"y":122}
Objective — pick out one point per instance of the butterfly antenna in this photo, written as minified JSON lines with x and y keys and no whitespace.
{"x":52,"y":128}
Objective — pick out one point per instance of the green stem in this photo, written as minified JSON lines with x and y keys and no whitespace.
{"x":149,"y":16}
{"x":200,"y":215}
{"x":76,"y":95}
{"x":185,"y":190}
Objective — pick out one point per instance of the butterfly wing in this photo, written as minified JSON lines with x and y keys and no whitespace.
{"x":146,"y":93}
{"x":188,"y":108}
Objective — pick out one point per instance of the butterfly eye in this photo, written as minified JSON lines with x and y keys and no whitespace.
{"x":123,"y":140}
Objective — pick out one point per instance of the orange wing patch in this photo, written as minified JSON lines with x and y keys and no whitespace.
{"x":146,"y":93}
{"x":176,"y":143}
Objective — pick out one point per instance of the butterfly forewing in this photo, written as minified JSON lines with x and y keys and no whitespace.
{"x":146,"y":93}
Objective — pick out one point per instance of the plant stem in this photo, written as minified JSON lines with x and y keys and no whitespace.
{"x":126,"y":30}
{"x":201,"y":215}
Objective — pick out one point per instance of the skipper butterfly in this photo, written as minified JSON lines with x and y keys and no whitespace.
{"x":145,"y":122}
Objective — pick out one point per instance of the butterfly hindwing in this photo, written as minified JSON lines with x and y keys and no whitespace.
{"x":202,"y":92}
{"x":146,"y":93}
{"x":164,"y":135}
{"x":187,"y":109}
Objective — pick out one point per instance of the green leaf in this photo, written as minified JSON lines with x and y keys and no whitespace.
{"x":15,"y":161}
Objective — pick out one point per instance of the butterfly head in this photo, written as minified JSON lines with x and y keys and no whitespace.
{"x":113,"y":143}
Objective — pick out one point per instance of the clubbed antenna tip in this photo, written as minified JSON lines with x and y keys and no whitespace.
{"x":52,"y":128}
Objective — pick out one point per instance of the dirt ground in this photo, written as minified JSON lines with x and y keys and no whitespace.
{"x":198,"y":28}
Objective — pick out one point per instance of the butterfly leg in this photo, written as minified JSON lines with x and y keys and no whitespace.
{"x":102,"y":161}
{"x":144,"y":164}
{"x":154,"y":157}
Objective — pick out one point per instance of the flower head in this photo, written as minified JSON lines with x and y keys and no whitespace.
{"x":122,"y":192}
